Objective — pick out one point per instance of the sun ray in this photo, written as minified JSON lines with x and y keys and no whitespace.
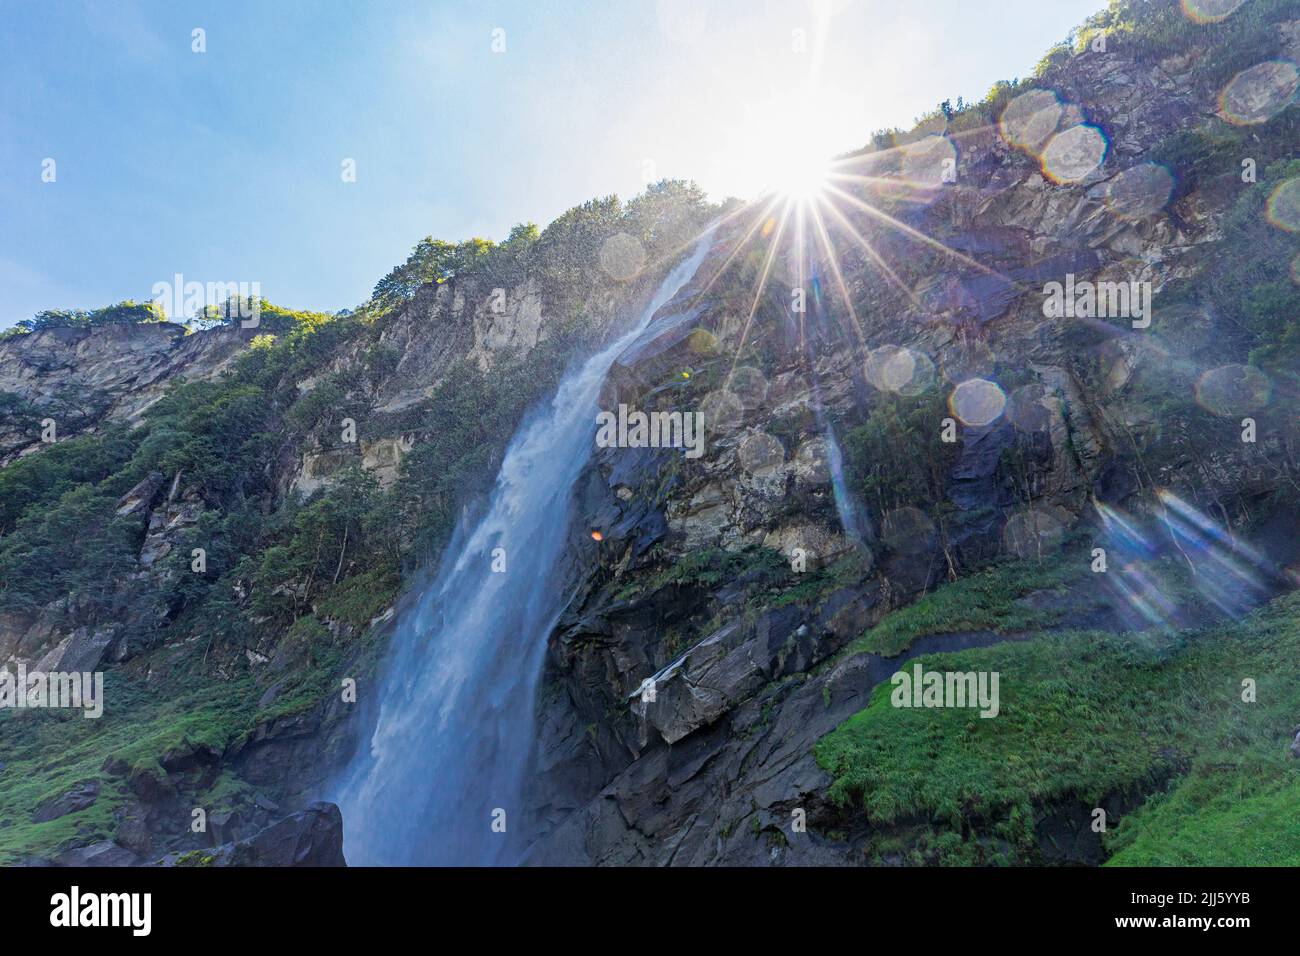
{"x":762,"y":284}
{"x":744,"y":241}
{"x":833,"y":262}
{"x":875,"y":256}
{"x":672,"y":255}
{"x":920,"y":236}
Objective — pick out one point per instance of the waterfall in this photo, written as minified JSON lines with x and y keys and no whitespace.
{"x":455,"y":724}
{"x":854,"y":525}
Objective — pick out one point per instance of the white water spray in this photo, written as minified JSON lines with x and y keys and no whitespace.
{"x":441,"y":780}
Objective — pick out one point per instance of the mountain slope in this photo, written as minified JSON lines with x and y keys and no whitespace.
{"x":827,"y":535}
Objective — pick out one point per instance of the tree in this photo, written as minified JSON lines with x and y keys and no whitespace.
{"x":432,"y":260}
{"x":127,"y":312}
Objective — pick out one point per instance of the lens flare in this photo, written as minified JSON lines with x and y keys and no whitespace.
{"x":1032,"y":533}
{"x":1257,"y":95}
{"x":703,"y":342}
{"x":813,"y":461}
{"x":928,"y":161}
{"x":1210,"y":11}
{"x":723,"y":412}
{"x":852,"y":518}
{"x":1122,"y":532}
{"x":1075,"y":154}
{"x":749,"y":385}
{"x":622,"y":257}
{"x":760,"y":454}
{"x":1229,"y":573}
{"x":1232,"y":390}
{"x":1283,"y":209}
{"x":977,"y":402}
{"x":891,"y":368}
{"x":923,"y":375}
{"x":1030,"y":120}
{"x":1139,"y":191}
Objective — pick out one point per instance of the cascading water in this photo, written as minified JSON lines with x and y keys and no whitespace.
{"x":455,"y":724}
{"x":851,"y":520}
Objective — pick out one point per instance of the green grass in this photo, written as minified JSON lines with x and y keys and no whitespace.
{"x":1064,"y":727}
{"x":45,"y":752}
{"x":1244,"y":815}
{"x":1086,"y":715}
{"x":984,"y":601}
{"x":709,"y":566}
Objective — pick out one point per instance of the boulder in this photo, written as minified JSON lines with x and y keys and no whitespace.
{"x":104,"y":853}
{"x":311,"y":837}
{"x":77,"y":797}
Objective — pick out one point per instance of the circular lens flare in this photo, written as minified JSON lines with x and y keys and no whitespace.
{"x":1257,"y":95}
{"x":977,"y":402}
{"x":1283,"y":207}
{"x":1210,"y":11}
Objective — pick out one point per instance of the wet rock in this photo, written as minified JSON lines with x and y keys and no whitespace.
{"x":149,"y":785}
{"x":133,"y":831}
{"x":311,"y":837}
{"x":225,"y":826}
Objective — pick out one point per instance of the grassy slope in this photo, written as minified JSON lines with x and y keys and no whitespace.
{"x":1085,"y":715}
{"x":985,"y":600}
{"x":45,"y":752}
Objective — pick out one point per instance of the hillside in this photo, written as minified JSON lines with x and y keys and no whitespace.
{"x":329,"y":469}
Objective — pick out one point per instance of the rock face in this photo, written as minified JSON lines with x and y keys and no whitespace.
{"x":678,"y":720}
{"x":76,"y":798}
{"x":707,"y":644}
{"x":85,"y":378}
{"x":81,"y":377}
{"x":313,"y":837}
{"x":459,"y":321}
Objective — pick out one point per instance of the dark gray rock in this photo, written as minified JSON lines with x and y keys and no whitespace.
{"x":311,"y":837}
{"x":86,"y":649}
{"x":78,"y":797}
{"x":139,"y":499}
{"x":105,"y":853}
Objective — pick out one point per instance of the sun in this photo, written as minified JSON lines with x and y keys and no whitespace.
{"x":798,"y":175}
{"x":784,"y":145}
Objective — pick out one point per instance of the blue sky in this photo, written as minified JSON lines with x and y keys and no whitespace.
{"x":226,"y":165}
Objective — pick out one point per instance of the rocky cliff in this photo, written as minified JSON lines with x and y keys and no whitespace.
{"x":907,"y":453}
{"x":751,"y":665}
